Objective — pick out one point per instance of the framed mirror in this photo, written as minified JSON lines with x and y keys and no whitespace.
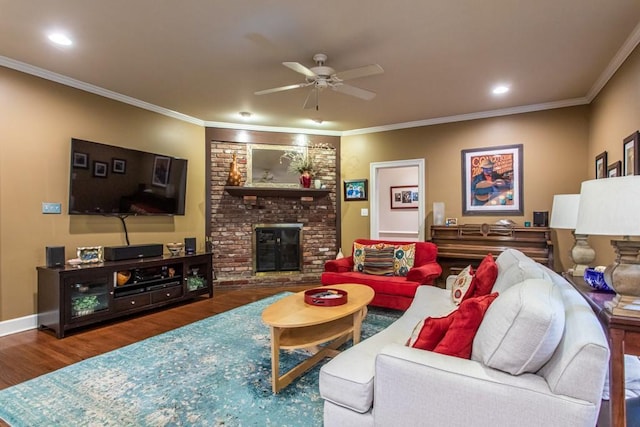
{"x":267,"y":168}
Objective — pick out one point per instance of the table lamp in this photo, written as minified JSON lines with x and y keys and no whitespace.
{"x":564,"y":215}
{"x":611,"y":207}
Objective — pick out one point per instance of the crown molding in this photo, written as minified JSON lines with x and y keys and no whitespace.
{"x":68,"y":81}
{"x":245,"y":126}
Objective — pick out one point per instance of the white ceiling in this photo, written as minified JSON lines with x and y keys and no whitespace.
{"x":202,"y":60}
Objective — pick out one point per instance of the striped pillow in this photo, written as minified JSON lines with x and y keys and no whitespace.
{"x":379,"y":261}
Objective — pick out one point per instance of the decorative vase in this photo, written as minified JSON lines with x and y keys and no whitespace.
{"x":305,"y":179}
{"x":235,"y":177}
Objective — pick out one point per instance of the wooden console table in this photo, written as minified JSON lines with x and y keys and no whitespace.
{"x":623,"y":333}
{"x":461,"y":245}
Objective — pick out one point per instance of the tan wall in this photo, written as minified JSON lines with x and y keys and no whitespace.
{"x":555,"y":156}
{"x":38,"y":119}
{"x":615,"y":114}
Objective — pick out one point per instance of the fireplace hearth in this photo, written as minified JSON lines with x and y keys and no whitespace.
{"x":277,"y":248}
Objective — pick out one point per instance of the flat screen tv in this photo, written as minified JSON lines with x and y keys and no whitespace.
{"x":109,"y":180}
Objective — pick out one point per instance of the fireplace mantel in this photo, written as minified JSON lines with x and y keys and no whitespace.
{"x":302,"y":193}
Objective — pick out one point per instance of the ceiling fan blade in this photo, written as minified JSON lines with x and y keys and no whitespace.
{"x":367,"y":95}
{"x":299,"y":68}
{"x":280,"y":89}
{"x":312,"y":99}
{"x":367,"y":70}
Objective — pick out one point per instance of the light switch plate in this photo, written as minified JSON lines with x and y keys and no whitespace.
{"x":51,"y":208}
{"x":364,"y":212}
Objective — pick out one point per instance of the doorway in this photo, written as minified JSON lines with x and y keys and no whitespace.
{"x":393,"y":221}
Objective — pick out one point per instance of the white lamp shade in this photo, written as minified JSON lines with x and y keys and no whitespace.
{"x":564,"y":213}
{"x":610,"y":206}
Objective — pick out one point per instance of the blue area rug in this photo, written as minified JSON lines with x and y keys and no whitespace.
{"x":213,"y":372}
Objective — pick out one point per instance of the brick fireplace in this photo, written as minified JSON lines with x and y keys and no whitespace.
{"x":232,"y":218}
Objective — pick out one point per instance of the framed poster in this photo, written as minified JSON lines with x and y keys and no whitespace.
{"x":355,"y":189}
{"x":631,"y":160}
{"x":404,"y":197}
{"x":118,"y":165}
{"x":160,"y":175}
{"x":601,"y":165}
{"x":492,"y":181}
{"x":80,"y":160}
{"x":614,"y":169}
{"x":100,"y":169}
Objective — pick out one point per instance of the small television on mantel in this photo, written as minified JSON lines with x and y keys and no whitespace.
{"x":109,"y":180}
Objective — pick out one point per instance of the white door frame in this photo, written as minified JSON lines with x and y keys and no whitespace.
{"x":374,"y":217}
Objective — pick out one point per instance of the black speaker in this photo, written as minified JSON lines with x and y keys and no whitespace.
{"x":55,"y":256}
{"x":541,"y":219}
{"x":116,"y":253}
{"x":189,"y":245}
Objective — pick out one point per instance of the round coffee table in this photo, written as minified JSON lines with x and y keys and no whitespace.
{"x":296,"y":324}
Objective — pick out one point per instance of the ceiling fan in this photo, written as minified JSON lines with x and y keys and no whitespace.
{"x":321,"y":77}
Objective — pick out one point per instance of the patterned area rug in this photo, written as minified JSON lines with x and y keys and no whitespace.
{"x":214,"y":372}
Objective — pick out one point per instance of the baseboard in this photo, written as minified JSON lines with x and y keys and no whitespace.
{"x":20,"y":324}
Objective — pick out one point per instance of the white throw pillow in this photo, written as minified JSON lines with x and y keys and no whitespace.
{"x":522,"y":328}
{"x":461,"y":285}
{"x":517,"y":272}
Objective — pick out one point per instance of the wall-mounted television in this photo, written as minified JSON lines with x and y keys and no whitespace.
{"x":110,"y":180}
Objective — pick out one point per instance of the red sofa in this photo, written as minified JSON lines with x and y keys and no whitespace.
{"x":390,"y":291}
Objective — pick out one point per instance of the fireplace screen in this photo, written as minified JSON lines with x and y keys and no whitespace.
{"x":277,"y":247}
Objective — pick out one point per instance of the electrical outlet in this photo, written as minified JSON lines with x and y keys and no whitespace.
{"x":364,"y":212}
{"x":51,"y":208}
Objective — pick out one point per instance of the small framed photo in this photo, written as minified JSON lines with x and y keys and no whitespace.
{"x":404,"y":197}
{"x":118,"y":166}
{"x":601,"y":165}
{"x":80,"y":160}
{"x":100,"y":169}
{"x":161,"y":166}
{"x":451,"y":221}
{"x":630,"y":157}
{"x":89,"y":254}
{"x":614,"y":169}
{"x":355,"y":189}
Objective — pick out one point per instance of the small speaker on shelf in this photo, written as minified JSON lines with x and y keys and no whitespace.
{"x":541,"y":219}
{"x":189,"y":245}
{"x":54,"y":256}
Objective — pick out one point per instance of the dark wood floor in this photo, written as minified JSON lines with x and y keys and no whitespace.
{"x":29,"y":354}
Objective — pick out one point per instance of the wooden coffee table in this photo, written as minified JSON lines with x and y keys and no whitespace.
{"x":296,"y":324}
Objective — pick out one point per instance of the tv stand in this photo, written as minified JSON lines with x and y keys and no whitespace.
{"x":74,"y":297}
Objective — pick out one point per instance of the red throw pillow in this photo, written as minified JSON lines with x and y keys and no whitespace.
{"x":431,"y":331}
{"x":484,"y":277}
{"x":458,"y":339}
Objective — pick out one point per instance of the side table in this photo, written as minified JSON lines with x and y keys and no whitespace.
{"x":623,"y":333}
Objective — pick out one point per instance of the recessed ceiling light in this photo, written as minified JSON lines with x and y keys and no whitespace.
{"x":61,"y":39}
{"x":245,"y":115}
{"x":500,"y":89}
{"x":318,"y":121}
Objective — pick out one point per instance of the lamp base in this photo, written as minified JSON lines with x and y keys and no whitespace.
{"x":623,"y":275}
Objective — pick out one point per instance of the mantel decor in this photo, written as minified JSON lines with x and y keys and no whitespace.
{"x":492,"y":181}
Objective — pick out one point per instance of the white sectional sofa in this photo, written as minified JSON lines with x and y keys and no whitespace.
{"x":539,"y":358}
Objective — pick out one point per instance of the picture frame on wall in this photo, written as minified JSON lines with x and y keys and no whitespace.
{"x":601,"y":165}
{"x":614,"y":169}
{"x":630,"y":157}
{"x":404,"y":197}
{"x":118,"y":166}
{"x":355,"y":189}
{"x":492,"y":181}
{"x":100,"y":169}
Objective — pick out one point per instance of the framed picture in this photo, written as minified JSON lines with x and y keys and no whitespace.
{"x":161,"y":166}
{"x":451,"y":221}
{"x":601,"y":165}
{"x":492,"y":181}
{"x":355,"y":189}
{"x":630,"y":158}
{"x":80,"y":160}
{"x":404,"y":197}
{"x":89,"y":254}
{"x":100,"y":169}
{"x":614,"y":169}
{"x":118,"y":166}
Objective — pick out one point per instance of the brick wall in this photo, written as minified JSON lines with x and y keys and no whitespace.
{"x":232,"y":219}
